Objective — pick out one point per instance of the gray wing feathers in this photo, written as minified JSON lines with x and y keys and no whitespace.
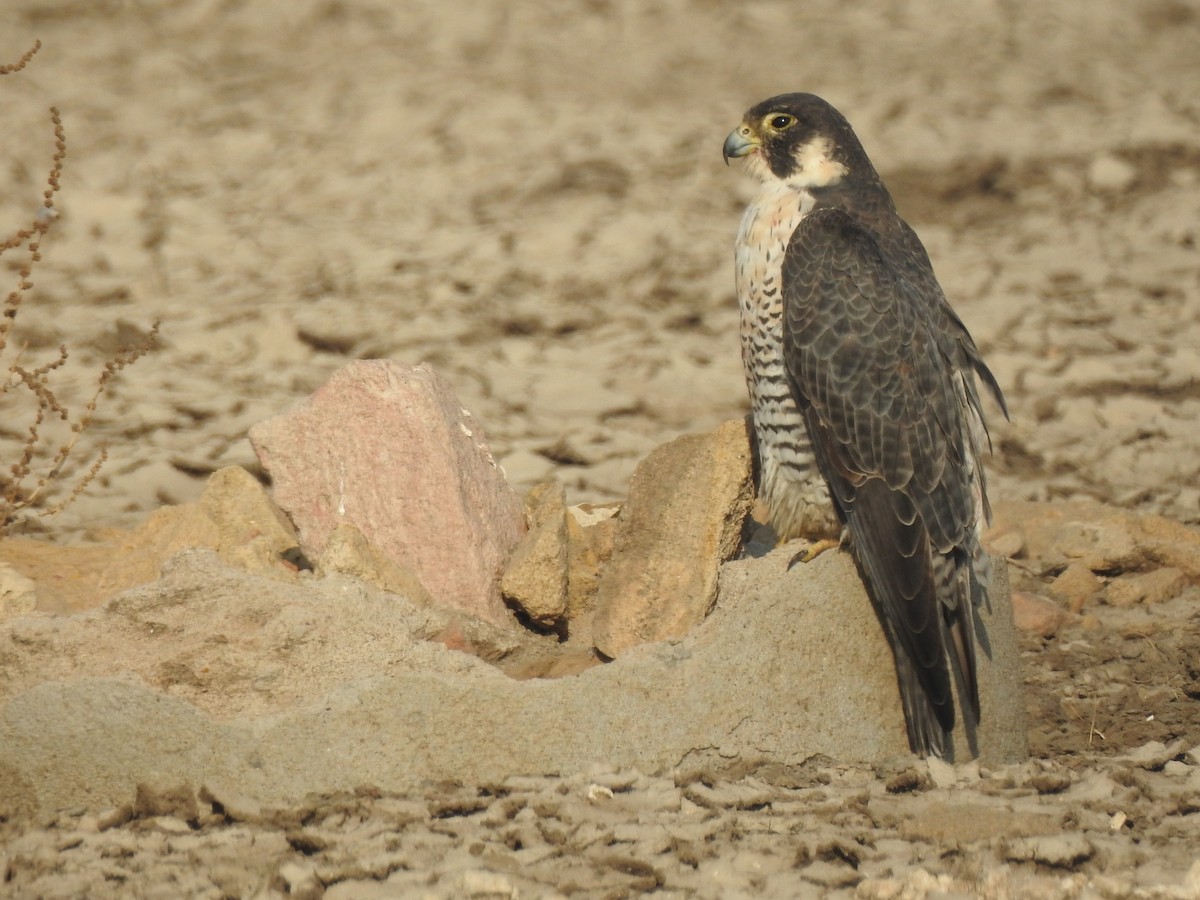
{"x":867,"y":358}
{"x":883,"y":371}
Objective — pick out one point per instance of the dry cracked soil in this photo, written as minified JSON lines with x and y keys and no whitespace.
{"x":530,"y":197}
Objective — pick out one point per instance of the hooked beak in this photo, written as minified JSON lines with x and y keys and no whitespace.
{"x":741,"y":142}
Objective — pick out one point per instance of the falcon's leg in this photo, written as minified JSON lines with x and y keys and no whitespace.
{"x":816,"y":548}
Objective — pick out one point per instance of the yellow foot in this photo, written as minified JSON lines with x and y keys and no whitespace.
{"x":815,"y":549}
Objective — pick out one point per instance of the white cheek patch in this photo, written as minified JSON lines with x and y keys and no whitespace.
{"x":756,"y":165}
{"x":815,"y":166}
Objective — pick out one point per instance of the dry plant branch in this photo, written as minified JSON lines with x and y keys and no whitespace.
{"x":37,"y":466}
{"x":23,"y":61}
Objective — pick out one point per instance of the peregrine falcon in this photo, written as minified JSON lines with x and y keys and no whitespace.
{"x":857,"y":366}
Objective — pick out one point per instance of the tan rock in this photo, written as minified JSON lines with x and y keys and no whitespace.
{"x":687,"y":502}
{"x":66,"y":576}
{"x":1171,"y":543}
{"x":964,"y":821}
{"x":1076,"y":585}
{"x":1007,"y":540}
{"x":138,"y":557}
{"x":253,"y":533}
{"x":1146,"y":587}
{"x":588,"y":515}
{"x":1102,"y":538}
{"x":388,"y":449}
{"x":350,"y":553}
{"x":591,"y":537}
{"x":1035,"y":614}
{"x":1149,"y":558}
{"x":535,"y":579}
{"x":234,"y":516}
{"x":18,"y":594}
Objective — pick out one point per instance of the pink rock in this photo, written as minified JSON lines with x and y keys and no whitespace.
{"x":388,"y":449}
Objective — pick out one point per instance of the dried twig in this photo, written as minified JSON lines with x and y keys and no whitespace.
{"x":37,"y":467}
{"x":23,"y":61}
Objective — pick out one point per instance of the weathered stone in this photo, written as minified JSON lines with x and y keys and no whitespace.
{"x":791,"y":664}
{"x":1170,"y":543}
{"x":1076,"y":585}
{"x":591,"y":537}
{"x":388,"y":449}
{"x":1146,"y":587}
{"x":1102,"y":538}
{"x":138,"y":557}
{"x":349,"y":553}
{"x":487,"y":885}
{"x":569,"y":660}
{"x":235,"y":517}
{"x":526,"y":467}
{"x":687,"y":502}
{"x":1006,"y":540}
{"x":252,"y":531}
{"x":536,"y":577}
{"x":1056,"y":535}
{"x":941,"y":773}
{"x":18,"y":594}
{"x":65,"y":575}
{"x":1038,"y":615}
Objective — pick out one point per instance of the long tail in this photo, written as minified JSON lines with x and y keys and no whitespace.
{"x":927,"y":732}
{"x":916,"y":594}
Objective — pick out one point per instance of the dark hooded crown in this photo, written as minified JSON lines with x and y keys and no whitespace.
{"x":815,"y":119}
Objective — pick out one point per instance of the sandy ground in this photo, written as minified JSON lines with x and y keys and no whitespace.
{"x":530,"y":197}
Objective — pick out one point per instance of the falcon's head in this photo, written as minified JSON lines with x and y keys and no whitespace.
{"x":799,"y":139}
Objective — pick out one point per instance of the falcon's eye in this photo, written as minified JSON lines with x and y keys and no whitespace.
{"x":780,"y":121}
